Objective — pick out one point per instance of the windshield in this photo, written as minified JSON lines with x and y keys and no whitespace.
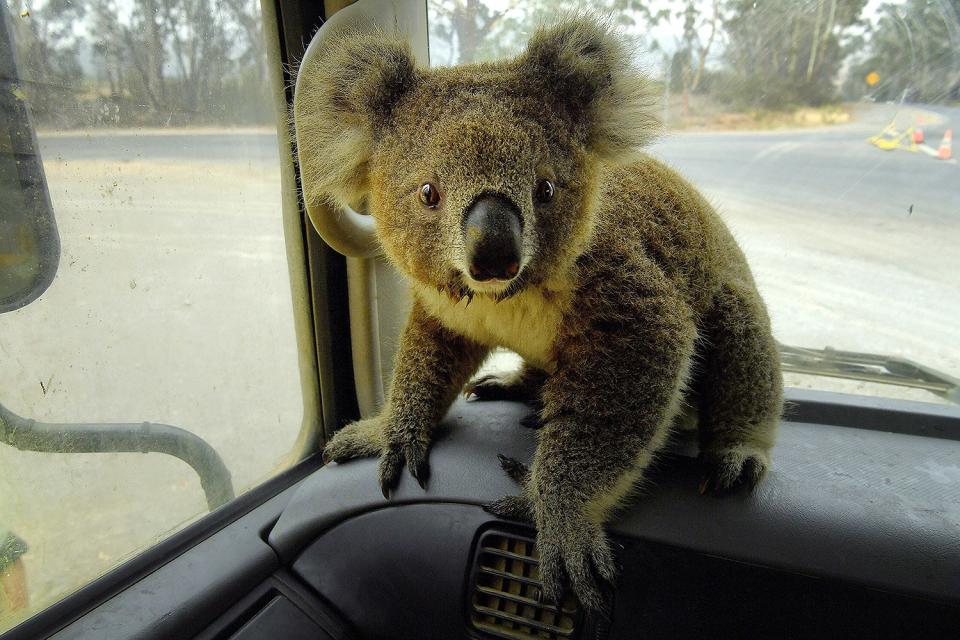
{"x":821,"y":130}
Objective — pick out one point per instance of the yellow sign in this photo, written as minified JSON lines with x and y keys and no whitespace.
{"x":873,"y":78}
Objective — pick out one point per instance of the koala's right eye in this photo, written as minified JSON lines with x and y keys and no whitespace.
{"x":545,"y":190}
{"x":429,"y":195}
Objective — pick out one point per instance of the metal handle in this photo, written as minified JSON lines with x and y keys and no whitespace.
{"x":30,"y":435}
{"x":351,"y":233}
{"x":348,"y":232}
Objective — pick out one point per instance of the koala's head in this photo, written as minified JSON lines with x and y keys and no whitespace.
{"x":481,"y":178}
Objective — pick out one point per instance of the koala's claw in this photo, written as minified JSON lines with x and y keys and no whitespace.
{"x":725,"y":471}
{"x":392,"y":461}
{"x":391,"y":464}
{"x":517,"y":471}
{"x":580,"y":556}
{"x":417,"y":462}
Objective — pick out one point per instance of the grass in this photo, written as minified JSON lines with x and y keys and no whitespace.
{"x":704,"y":114}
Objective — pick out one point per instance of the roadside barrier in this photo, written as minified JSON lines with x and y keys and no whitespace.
{"x":912,"y":139}
{"x":918,"y":131}
{"x":945,"y":152}
{"x":891,"y":138}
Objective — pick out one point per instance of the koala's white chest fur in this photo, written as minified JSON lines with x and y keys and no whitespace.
{"x":526,"y":323}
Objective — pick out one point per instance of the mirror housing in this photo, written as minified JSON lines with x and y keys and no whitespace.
{"x":29,"y":241}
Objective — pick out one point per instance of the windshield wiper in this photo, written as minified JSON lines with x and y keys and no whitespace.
{"x":869,"y":367}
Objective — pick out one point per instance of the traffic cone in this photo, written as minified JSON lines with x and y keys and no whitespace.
{"x":946,"y":146}
{"x":918,"y":131}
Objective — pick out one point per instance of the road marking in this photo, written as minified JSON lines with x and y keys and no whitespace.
{"x":777,"y":150}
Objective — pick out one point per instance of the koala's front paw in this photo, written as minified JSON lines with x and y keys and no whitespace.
{"x":574,"y":549}
{"x":360,"y":439}
{"x":727,"y":469}
{"x":372,"y":437}
{"x":414,"y":454}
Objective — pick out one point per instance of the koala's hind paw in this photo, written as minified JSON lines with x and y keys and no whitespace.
{"x":499,"y":387}
{"x":414,"y":454}
{"x":517,"y":471}
{"x":489,"y":387}
{"x":511,"y":508}
{"x":576,"y":552}
{"x":360,"y":439}
{"x":531,"y":421}
{"x":727,"y":470}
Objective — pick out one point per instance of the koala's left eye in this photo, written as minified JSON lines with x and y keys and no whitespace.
{"x":545,"y":191}
{"x":429,"y":195}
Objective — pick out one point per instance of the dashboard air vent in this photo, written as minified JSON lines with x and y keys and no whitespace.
{"x":505,"y":595}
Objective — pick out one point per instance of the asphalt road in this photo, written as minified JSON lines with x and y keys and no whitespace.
{"x":172,"y":303}
{"x":829,"y":170}
{"x":250,"y":146}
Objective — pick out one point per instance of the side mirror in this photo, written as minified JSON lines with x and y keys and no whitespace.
{"x":29,"y":242}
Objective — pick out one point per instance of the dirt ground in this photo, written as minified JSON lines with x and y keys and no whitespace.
{"x":171,"y":305}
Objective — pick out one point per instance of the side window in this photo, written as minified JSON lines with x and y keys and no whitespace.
{"x":173,"y":303}
{"x":822,"y":131}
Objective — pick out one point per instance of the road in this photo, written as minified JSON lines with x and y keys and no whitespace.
{"x":172,"y":303}
{"x":830,"y":171}
{"x":853,"y":247}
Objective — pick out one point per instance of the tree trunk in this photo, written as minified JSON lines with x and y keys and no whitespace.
{"x":814,"y":42}
{"x":825,"y":39}
{"x":705,"y":50}
{"x":794,"y":46}
{"x":465,"y":25}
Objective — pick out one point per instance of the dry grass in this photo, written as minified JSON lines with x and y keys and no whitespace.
{"x":703,"y":114}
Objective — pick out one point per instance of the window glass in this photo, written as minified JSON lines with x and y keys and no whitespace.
{"x":821,"y":130}
{"x":172,"y":301}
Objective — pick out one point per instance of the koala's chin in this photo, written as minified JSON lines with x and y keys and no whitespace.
{"x":497,"y":289}
{"x":517,"y":197}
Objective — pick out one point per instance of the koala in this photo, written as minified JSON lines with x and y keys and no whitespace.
{"x":517,"y":200}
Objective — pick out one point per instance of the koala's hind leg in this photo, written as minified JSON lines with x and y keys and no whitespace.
{"x":740,"y":391}
{"x":523,"y":385}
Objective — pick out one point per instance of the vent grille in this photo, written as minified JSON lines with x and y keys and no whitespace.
{"x":505,"y":599}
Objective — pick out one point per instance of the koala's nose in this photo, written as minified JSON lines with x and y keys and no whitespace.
{"x":493,"y":233}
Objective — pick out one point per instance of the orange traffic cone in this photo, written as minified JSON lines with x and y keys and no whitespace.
{"x":946,"y":146}
{"x":918,"y":131}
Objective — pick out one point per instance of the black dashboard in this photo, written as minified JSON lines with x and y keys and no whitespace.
{"x":855,"y":531}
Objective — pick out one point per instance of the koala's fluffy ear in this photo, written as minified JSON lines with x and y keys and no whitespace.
{"x":588,"y":72}
{"x":345,"y":94}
